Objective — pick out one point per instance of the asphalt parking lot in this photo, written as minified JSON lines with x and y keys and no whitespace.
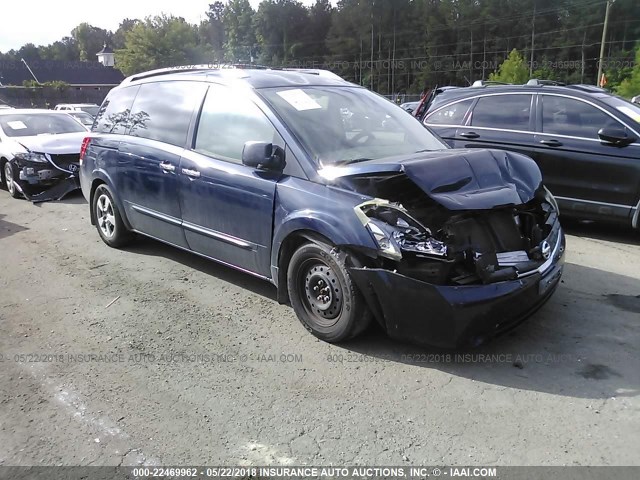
{"x":150,"y":355}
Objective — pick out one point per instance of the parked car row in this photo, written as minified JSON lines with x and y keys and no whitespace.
{"x":585,"y":141}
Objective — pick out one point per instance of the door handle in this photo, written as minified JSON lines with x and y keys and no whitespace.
{"x":167,"y":167}
{"x":191,"y":173}
{"x":469,"y":135}
{"x":551,"y":143}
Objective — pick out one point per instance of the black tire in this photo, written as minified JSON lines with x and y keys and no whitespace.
{"x":108,"y":218}
{"x":8,"y":174}
{"x":322,"y":294}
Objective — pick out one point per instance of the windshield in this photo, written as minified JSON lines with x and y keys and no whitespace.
{"x":629,"y":109}
{"x":26,"y":125}
{"x":339,"y":125}
{"x":83,"y":117}
{"x":91,"y":110}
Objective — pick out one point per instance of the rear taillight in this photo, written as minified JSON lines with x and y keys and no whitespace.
{"x":83,"y":149}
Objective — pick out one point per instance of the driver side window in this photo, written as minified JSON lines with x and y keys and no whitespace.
{"x":228,"y":122}
{"x":568,"y":116}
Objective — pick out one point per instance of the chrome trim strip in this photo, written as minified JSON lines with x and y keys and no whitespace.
{"x":48,"y":157}
{"x":219,"y":236}
{"x":235,"y":267}
{"x":194,"y":228}
{"x":616,"y":205}
{"x":160,"y":216}
{"x":634,"y":220}
{"x":546,"y":265}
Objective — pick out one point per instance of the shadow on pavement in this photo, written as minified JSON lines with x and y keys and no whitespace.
{"x":8,"y":228}
{"x":580,"y":344}
{"x":602,"y":231}
{"x":147,"y":246}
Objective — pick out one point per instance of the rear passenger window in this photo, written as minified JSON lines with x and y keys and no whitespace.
{"x":567,"y":116}
{"x":114,"y":112}
{"x":162,"y":111}
{"x":510,"y":112}
{"x":450,"y":115}
{"x":228,"y":122}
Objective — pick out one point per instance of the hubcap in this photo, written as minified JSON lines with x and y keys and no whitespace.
{"x":105,"y":216}
{"x":322,"y":292}
{"x":8,"y":178}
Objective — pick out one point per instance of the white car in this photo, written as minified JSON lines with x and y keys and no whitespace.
{"x":39,"y":153}
{"x":90,"y":108}
{"x":636,"y":100}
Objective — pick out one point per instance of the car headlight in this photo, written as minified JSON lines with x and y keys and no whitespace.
{"x":384,"y":238}
{"x":31,"y":157}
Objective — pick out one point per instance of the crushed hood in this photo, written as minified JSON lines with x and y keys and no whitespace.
{"x":458,"y":179}
{"x":60,"y":144}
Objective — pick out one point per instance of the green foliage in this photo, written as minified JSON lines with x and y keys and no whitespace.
{"x":160,"y":41}
{"x":630,"y":86}
{"x":512,"y":70}
{"x":90,"y":40}
{"x":240,"y":38}
{"x":58,"y":85}
{"x":390,"y":45}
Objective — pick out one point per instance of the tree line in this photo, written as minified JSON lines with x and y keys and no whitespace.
{"x":390,"y":46}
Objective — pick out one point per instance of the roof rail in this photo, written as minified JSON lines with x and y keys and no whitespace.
{"x":189,"y":68}
{"x":534,"y":82}
{"x":484,"y":83}
{"x":588,"y":88}
{"x":313,"y":71}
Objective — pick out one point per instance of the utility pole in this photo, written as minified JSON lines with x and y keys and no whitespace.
{"x":533,"y":39}
{"x":371,"y":71}
{"x":604,"y":37}
{"x":393,"y":59}
{"x":471,"y":55}
{"x":360,"y":66}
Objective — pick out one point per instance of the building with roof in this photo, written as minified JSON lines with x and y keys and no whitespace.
{"x":81,"y":75}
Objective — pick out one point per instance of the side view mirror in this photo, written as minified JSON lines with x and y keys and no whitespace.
{"x":263,"y":155}
{"x":616,"y":136}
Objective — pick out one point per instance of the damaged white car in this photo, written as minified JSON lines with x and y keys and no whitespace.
{"x":39,"y":153}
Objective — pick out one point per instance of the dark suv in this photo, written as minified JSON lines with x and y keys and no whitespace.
{"x":370,"y":218}
{"x":585,"y":140}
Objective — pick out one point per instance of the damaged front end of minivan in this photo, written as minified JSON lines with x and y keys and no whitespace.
{"x":467,"y":249}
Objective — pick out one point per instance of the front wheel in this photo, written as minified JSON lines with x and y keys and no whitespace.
{"x":322,"y":294}
{"x":108,"y":219}
{"x":9,"y":181}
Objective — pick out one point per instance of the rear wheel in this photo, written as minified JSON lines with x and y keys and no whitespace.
{"x":108,"y":219}
{"x":9,"y":182}
{"x":323,"y":295}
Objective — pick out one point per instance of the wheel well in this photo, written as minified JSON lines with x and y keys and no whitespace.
{"x":2,"y":162}
{"x":290,"y":244}
{"x":96,"y":183}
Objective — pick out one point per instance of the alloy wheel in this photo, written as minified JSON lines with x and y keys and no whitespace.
{"x":8,"y":178}
{"x":105,"y":216}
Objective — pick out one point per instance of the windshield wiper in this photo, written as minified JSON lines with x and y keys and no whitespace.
{"x":352,"y":160}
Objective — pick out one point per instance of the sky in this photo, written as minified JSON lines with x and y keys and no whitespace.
{"x":42,"y":22}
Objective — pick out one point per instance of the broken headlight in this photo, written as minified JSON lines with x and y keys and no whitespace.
{"x":384,"y":237}
{"x":394,"y":230}
{"x":31,"y":157}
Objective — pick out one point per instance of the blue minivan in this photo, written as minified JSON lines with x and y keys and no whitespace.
{"x":348,"y":205}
